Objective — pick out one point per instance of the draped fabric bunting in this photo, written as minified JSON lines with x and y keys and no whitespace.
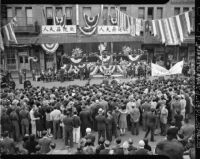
{"x":179,"y":28}
{"x":170,"y":31}
{"x":94,"y":71}
{"x":87,"y":30}
{"x":104,"y":59}
{"x":91,"y":21}
{"x":50,"y":48}
{"x":1,"y":43}
{"x":60,"y":21}
{"x":134,"y":58}
{"x":76,"y":61}
{"x":8,"y":32}
{"x":188,"y":22}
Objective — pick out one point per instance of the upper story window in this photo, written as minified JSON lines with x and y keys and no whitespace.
{"x":18,"y":13}
{"x":185,"y":9}
{"x":9,"y":13}
{"x":68,"y":12}
{"x":150,"y":13}
{"x":59,"y":12}
{"x":87,"y":11}
{"x":141,"y":13}
{"x":105,"y":15}
{"x":177,"y":10}
{"x":112,"y":12}
{"x":49,"y":13}
{"x":123,"y":9}
{"x":29,"y":16}
{"x":159,"y":13}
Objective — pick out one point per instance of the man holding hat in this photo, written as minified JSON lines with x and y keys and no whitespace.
{"x":101,"y":123}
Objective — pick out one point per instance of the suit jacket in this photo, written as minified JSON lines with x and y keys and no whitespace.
{"x":151,"y":119}
{"x":86,"y":118}
{"x":101,"y":122}
{"x":104,"y":152}
{"x":91,"y":137}
{"x":45,"y":144}
{"x":109,"y":123}
{"x":118,"y":150}
{"x":68,"y":122}
{"x":76,"y":121}
{"x":8,"y":145}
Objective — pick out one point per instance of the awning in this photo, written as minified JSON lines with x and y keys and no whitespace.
{"x":63,"y":39}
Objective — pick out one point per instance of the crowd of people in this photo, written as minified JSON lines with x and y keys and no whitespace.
{"x":74,"y":113}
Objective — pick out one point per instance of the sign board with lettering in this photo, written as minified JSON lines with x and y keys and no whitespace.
{"x":107,"y":29}
{"x":58,"y":29}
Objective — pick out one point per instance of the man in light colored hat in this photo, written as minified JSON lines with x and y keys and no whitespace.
{"x":101,"y":123}
{"x":90,"y":136}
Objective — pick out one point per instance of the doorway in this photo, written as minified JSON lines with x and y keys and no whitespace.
{"x":24,"y":62}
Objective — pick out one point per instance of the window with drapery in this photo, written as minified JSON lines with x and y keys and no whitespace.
{"x":185,"y":9}
{"x":141,"y":13}
{"x":159,"y":13}
{"x":59,"y":12}
{"x":18,"y":13}
{"x":123,"y":9}
{"x":9,"y":13}
{"x":29,"y":16}
{"x":177,"y":10}
{"x":49,"y":15}
{"x":68,"y":12}
{"x":150,"y":13}
{"x":105,"y":15}
{"x":113,"y":12}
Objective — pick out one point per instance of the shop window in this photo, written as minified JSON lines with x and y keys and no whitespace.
{"x":141,"y":13}
{"x":150,"y":13}
{"x":19,"y":17}
{"x":87,"y":11}
{"x":105,"y":15}
{"x":49,"y":13}
{"x":177,"y":10}
{"x":185,"y":9}
{"x":159,"y":13}
{"x":9,"y":14}
{"x":68,"y":12}
{"x":29,"y":16}
{"x":26,"y":59}
{"x":123,"y":9}
{"x":11,"y":57}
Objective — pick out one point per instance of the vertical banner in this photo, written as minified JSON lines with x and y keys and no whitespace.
{"x":77,"y":14}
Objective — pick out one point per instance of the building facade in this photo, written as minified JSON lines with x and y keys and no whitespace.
{"x":31,"y":18}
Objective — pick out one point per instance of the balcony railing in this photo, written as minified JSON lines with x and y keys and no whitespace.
{"x":24,"y":25}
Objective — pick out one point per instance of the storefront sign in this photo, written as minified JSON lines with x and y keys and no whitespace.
{"x":103,"y":29}
{"x":51,"y":29}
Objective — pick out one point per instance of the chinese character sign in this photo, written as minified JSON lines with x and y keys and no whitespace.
{"x":51,"y":29}
{"x":104,"y":29}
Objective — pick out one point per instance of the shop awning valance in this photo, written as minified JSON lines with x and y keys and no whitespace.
{"x":63,"y":39}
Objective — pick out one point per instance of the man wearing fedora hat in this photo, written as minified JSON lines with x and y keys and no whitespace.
{"x":101,"y":123}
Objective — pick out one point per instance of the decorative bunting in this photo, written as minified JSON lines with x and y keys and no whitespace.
{"x":184,"y":25}
{"x":60,"y":21}
{"x":161,"y":31}
{"x":1,"y":43}
{"x":188,"y":22}
{"x":88,"y":30}
{"x":179,"y":28}
{"x":91,"y":21}
{"x":154,"y":28}
{"x":50,"y":48}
